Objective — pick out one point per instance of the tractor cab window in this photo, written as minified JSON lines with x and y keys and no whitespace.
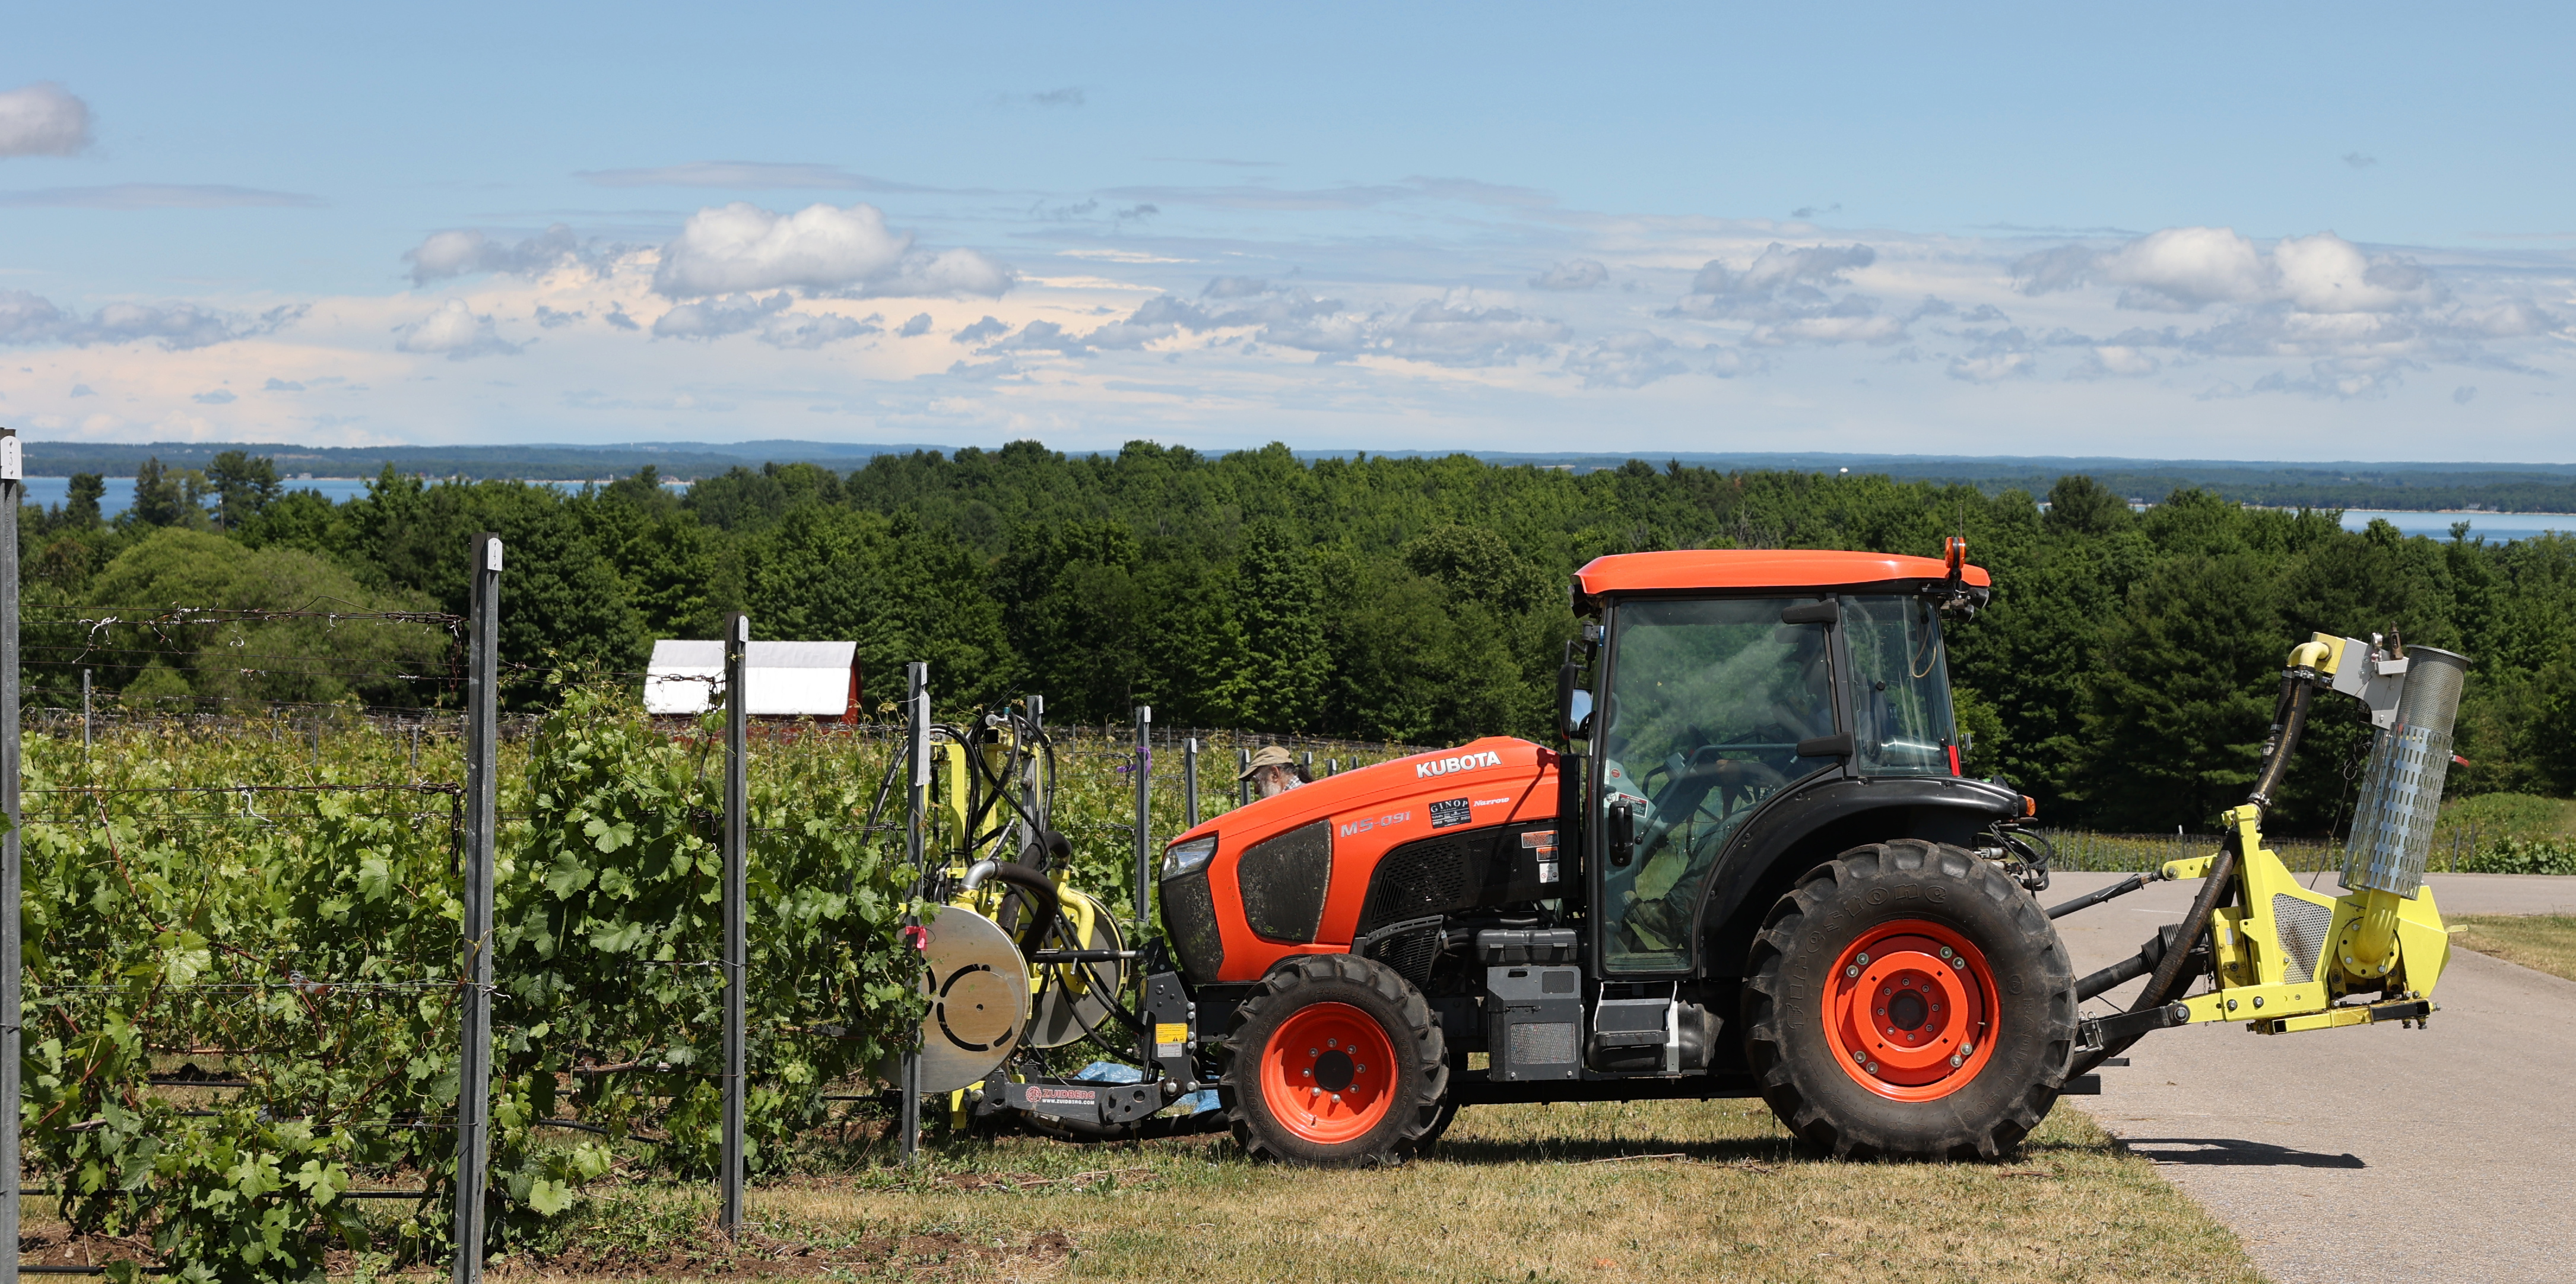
{"x":1707,"y":702}
{"x":1901,"y":687}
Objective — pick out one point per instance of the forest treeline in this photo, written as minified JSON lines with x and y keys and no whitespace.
{"x":2123,"y":674}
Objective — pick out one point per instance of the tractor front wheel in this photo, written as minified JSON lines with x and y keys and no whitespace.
{"x":1908,"y":1000}
{"x":1337,"y":1061}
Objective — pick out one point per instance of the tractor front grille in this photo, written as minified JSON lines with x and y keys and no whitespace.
{"x":1189,"y":920}
{"x":1283,"y":881}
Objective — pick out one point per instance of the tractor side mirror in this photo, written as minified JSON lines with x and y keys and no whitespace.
{"x":1573,"y":704}
{"x":1622,"y":833}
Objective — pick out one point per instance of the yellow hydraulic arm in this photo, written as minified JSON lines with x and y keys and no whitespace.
{"x":2286,"y":958}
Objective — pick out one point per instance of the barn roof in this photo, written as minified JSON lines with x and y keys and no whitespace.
{"x":784,"y":678}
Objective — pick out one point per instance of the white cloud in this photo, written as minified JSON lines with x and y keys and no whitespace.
{"x":464,"y":252}
{"x":2114,"y":361}
{"x":820,"y":249}
{"x":1779,"y":267}
{"x":32,"y":319}
{"x":766,"y":319}
{"x":457,"y":331}
{"x":916,"y":327}
{"x":1853,"y":319}
{"x":1572,"y":274}
{"x":2005,"y":354}
{"x":2503,"y":319}
{"x":1628,"y":359}
{"x":43,"y":120}
{"x":2326,"y":273}
{"x":2183,"y":269}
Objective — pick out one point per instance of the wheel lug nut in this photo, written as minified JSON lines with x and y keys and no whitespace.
{"x":1853,"y":970}
{"x":1864,"y":960}
{"x":1945,"y":951}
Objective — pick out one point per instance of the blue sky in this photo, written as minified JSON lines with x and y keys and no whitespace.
{"x":2285,"y":231}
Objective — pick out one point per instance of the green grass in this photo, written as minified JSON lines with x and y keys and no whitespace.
{"x":1613,"y":1191}
{"x":2541,"y":942}
{"x":2528,"y":817}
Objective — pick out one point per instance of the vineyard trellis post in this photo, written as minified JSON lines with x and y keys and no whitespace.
{"x":1243,"y":777}
{"x":737,"y":834}
{"x":1040,"y":801}
{"x":1190,"y":784}
{"x":916,"y":815}
{"x":1144,"y":815}
{"x":12,"y":485}
{"x":474,"y":1068}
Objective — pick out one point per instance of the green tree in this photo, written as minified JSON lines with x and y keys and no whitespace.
{"x":1278,"y":679}
{"x":167,"y":496}
{"x":81,"y":503}
{"x":244,"y":486}
{"x":2183,"y":696}
{"x":2079,"y":505}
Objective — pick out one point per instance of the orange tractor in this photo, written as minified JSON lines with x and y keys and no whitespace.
{"x":1754,"y":868}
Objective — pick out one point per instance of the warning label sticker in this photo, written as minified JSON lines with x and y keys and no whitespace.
{"x":1450,"y":811}
{"x":1170,"y":1038}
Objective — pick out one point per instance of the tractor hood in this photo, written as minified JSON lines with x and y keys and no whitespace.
{"x":1303,"y":891}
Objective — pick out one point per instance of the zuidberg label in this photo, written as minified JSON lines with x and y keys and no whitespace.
{"x":1457,"y":762}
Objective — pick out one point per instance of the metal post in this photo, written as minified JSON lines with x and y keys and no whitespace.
{"x":1144,"y":816}
{"x":1190,"y":783}
{"x":13,"y":486}
{"x":1041,"y":801}
{"x":474,"y":1061}
{"x":84,"y":715}
{"x":916,"y":840}
{"x":1242,"y":784}
{"x":737,"y":834}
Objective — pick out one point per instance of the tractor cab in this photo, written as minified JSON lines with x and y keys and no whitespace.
{"x":1734,"y":685}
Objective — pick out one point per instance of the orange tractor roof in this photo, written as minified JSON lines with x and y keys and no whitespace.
{"x":1733,"y":568}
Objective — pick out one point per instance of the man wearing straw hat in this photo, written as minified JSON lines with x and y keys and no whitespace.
{"x":1273,"y":771}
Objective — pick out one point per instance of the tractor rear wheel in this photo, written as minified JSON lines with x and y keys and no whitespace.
{"x":1336,"y":1061}
{"x":1908,"y":1000}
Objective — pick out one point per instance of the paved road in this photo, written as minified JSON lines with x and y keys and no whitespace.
{"x":2374,"y":1153}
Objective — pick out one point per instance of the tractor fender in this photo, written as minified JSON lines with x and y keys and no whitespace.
{"x":1806,"y":825}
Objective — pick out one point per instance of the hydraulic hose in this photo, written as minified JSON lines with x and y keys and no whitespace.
{"x":1039,"y":888}
{"x":2289,"y":720}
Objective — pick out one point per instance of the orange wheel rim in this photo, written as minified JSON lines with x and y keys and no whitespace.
{"x":1911,"y":1010}
{"x":1328,"y":1074}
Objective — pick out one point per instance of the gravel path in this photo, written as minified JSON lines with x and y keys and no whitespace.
{"x":2373,"y":1153}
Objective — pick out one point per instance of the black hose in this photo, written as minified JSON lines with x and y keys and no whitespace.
{"x":2122,"y":972}
{"x":2090,"y":899}
{"x":1040,"y":888}
{"x":2221,"y":880}
{"x":2289,"y":719}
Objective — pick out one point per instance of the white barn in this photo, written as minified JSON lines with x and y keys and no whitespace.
{"x":786,"y":679}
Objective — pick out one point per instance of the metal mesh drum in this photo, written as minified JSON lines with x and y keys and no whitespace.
{"x":2401,"y":787}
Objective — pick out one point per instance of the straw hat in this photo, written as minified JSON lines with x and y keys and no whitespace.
{"x":1274,"y":756}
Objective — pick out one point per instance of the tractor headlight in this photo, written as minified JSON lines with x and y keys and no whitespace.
{"x":1181,"y":858}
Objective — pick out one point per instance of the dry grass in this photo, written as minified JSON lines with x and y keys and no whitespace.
{"x":1635,"y":1191}
{"x":2541,"y":942}
{"x":1618,"y":1191}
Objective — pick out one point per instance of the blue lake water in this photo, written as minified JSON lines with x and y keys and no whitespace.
{"x":2496,"y":527}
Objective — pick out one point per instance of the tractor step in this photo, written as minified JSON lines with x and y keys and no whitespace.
{"x":2082,"y":1085}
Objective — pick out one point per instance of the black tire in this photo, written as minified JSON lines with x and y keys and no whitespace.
{"x":1421,"y":1072}
{"x":1430,"y":1138}
{"x":1805,"y":939}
